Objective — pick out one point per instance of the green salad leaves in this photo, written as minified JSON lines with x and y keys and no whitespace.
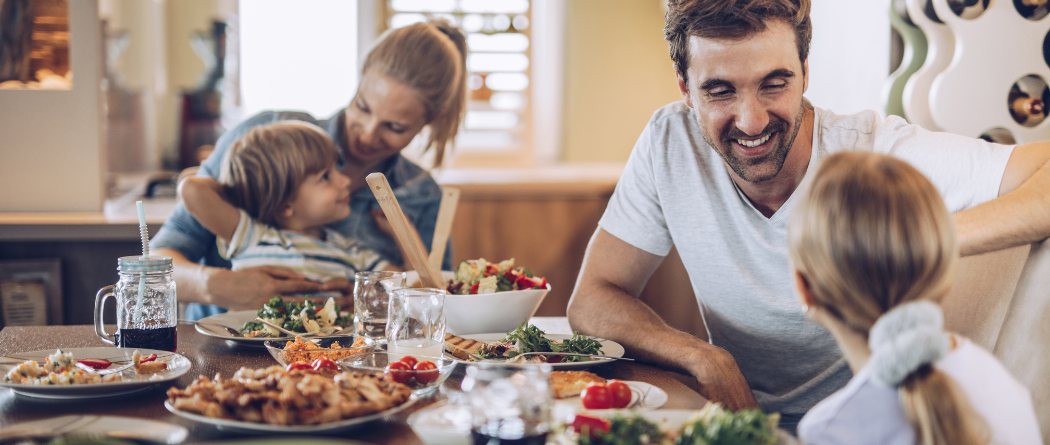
{"x":529,"y":338}
{"x":298,"y":316}
{"x":714,"y":425}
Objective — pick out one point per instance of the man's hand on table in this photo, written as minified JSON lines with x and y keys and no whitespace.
{"x":719,"y":379}
{"x":252,"y":287}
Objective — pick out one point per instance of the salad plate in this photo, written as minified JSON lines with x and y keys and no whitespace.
{"x":257,"y":428}
{"x":609,"y":348}
{"x":236,"y":320}
{"x":132,"y":381}
{"x":670,"y":421}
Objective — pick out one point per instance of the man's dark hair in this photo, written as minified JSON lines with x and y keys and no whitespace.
{"x":731,"y":19}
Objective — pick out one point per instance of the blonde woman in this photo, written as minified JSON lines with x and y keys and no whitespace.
{"x":874,"y":252}
{"x":413,"y":78}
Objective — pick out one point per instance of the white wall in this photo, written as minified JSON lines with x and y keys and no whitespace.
{"x":50,"y":141}
{"x":849,"y":58}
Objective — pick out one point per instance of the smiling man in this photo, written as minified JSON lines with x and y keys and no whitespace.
{"x":716,"y":175}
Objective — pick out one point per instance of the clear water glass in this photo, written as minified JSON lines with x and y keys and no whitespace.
{"x":371,"y":302}
{"x":509,"y":404}
{"x":416,"y":322}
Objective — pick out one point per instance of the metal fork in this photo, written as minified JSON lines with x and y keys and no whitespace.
{"x":228,"y":329}
{"x":570,"y":354}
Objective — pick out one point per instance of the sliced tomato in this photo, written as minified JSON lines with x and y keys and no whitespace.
{"x":297,"y":365}
{"x":151,"y":358}
{"x":474,"y":288}
{"x":524,"y":282}
{"x":491,"y":269}
{"x":97,"y":363}
{"x":554,"y":358}
{"x":620,"y":393}
{"x":324,"y":363}
{"x":589,"y":425}
{"x":426,"y":372}
{"x":596,"y":396}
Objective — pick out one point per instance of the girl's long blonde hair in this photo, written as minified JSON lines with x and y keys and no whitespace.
{"x":430,"y":58}
{"x":870,"y":234}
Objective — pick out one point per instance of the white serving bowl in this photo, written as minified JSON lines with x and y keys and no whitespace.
{"x":487,"y":313}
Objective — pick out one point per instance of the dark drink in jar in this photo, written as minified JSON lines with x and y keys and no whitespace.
{"x":163,"y":339}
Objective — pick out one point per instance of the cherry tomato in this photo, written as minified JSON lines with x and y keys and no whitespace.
{"x":596,"y":396}
{"x":324,"y":363}
{"x":423,"y":375}
{"x":397,"y":371}
{"x":151,"y":358}
{"x":97,"y":363}
{"x":620,"y":393}
{"x":409,"y":360}
{"x":297,"y":365}
{"x":589,"y":425}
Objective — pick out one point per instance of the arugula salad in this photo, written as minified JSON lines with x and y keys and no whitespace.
{"x":298,"y":316}
{"x":529,"y":338}
{"x":482,"y":277}
{"x":712,"y":425}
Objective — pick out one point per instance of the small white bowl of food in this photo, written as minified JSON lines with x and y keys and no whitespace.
{"x":486,"y":297}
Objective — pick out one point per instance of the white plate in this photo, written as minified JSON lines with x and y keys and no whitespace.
{"x":110,"y":426}
{"x":177,"y":366}
{"x":644,"y":397}
{"x":609,"y":348}
{"x":251,"y":427}
{"x":236,"y":320}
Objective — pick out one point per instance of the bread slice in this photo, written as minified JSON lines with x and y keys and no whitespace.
{"x":460,"y":347}
{"x":571,"y":383}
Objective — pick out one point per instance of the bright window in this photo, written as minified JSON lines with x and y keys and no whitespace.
{"x":499,"y":41}
{"x":298,"y":58}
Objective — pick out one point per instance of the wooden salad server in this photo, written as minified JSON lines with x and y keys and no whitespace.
{"x":404,"y":231}
{"x":446,"y":213}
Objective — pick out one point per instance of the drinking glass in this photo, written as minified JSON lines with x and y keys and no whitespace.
{"x":371,"y":300}
{"x":416,"y":322}
{"x":147,"y":311}
{"x":509,"y":405}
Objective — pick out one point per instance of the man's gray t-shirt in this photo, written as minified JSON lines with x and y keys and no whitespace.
{"x":677,"y":190}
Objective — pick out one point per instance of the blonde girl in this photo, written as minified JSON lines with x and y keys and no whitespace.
{"x":874,"y":252}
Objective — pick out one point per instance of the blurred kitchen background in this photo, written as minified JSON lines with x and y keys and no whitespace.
{"x":560,"y":91}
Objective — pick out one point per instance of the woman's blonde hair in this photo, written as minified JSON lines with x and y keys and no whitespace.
{"x":872,"y":233}
{"x":263,"y":169}
{"x":430,"y":58}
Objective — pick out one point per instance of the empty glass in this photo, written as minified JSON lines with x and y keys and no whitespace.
{"x":371,"y":300}
{"x":416,"y":322}
{"x":509,"y":404}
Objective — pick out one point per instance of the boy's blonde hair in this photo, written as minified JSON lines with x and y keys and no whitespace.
{"x":430,"y":58}
{"x":263,"y":169}
{"x":872,"y":233}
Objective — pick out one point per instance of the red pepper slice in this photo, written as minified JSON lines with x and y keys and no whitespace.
{"x":97,"y":363}
{"x":584,"y":424}
{"x":474,"y":288}
{"x":151,"y":358}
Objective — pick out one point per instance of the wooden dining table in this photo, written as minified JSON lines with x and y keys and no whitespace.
{"x":210,"y":356}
